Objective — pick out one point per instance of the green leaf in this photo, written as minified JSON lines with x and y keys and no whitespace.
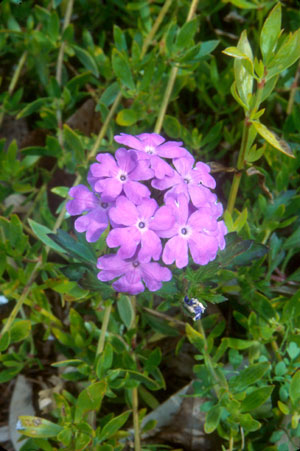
{"x":186,"y":34}
{"x":20,"y":330}
{"x":4,"y":341}
{"x":293,"y":350}
{"x":38,"y":427}
{"x":127,"y":117}
{"x":122,"y":69}
{"x":248,"y":423}
{"x":90,"y":399}
{"x":249,"y":376}
{"x":256,"y":398}
{"x":287,"y":55}
{"x":113,"y":426}
{"x":270,"y":33}
{"x":10,"y":373}
{"x":73,"y":140}
{"x":244,"y":4}
{"x":212,"y":419}
{"x":195,"y":337}
{"x":172,"y":126}
{"x":42,"y":232}
{"x":295,"y":388}
{"x":272,"y":139}
{"x":120,"y":39}
{"x":78,"y":249}
{"x":33,"y":107}
{"x":86,"y":59}
{"x":243,"y":79}
{"x":125,"y":310}
{"x":109,"y":95}
{"x":293,"y":241}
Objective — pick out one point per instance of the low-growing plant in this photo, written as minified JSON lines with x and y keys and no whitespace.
{"x":136,"y":122}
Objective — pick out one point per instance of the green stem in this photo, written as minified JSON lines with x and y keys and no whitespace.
{"x":15,"y":78}
{"x":21,"y":299}
{"x":155,"y":27}
{"x":105,"y":322}
{"x":240,"y":165}
{"x":171,"y":81}
{"x":218,"y":383}
{"x":135,"y":399}
{"x":59,"y":67}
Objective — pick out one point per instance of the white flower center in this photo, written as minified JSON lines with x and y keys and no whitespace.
{"x":150,"y":149}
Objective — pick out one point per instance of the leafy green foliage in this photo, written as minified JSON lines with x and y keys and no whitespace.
{"x":61,"y":85}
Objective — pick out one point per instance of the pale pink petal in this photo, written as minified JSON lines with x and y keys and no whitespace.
{"x":176,"y":249}
{"x":127,"y":160}
{"x":127,"y":238}
{"x":147,"y":208}
{"x":136,"y":191}
{"x":160,"y":167}
{"x":124,"y":212}
{"x":151,"y":139}
{"x":163,"y":219}
{"x":109,"y":188}
{"x":129,"y":141}
{"x":183,"y":165}
{"x":150,"y":246}
{"x":203,"y":248}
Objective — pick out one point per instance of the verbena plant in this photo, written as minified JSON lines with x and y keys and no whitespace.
{"x":160,"y":79}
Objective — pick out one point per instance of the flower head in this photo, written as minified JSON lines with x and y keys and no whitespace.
{"x":132,"y":274}
{"x":95,"y":219}
{"x":111,"y":177}
{"x":197,"y":232}
{"x":194,"y":182}
{"x":152,"y":147}
{"x":138,"y":224}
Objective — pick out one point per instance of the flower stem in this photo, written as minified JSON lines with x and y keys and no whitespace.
{"x":155,"y":27}
{"x":107,"y":310}
{"x":135,"y":399}
{"x":240,"y":166}
{"x":171,"y":81}
{"x":59,"y":67}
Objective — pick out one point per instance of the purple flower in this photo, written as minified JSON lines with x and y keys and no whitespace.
{"x":193,"y":182}
{"x":139,"y":225}
{"x":132,"y":273}
{"x":111,"y":178}
{"x":198,"y":232}
{"x":150,"y":146}
{"x":95,"y":221}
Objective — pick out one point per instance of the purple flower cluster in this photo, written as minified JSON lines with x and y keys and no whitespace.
{"x":142,"y":230}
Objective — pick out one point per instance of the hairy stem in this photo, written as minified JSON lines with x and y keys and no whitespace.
{"x":171,"y":80}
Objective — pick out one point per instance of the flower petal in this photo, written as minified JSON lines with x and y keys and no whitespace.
{"x":150,"y":247}
{"x":176,"y":249}
{"x":109,"y":188}
{"x":127,"y":238}
{"x":125,"y":212}
{"x":93,"y":223}
{"x":136,"y":191}
{"x":84,"y":200}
